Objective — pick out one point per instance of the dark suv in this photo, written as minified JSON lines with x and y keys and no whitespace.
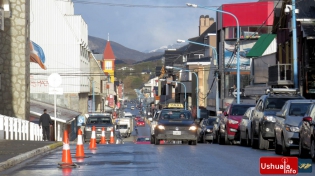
{"x":229,"y":123}
{"x":263,"y":119}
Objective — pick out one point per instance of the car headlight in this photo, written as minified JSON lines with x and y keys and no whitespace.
{"x":233,"y":121}
{"x":88,"y":128}
{"x":192,"y":128}
{"x":270,"y":118}
{"x":209,"y":130}
{"x":153,"y":126}
{"x":161,"y":127}
{"x":292,"y":128}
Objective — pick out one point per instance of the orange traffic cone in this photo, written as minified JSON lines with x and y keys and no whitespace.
{"x":103,"y":137}
{"x":80,"y":147}
{"x":93,"y":139}
{"x":112,"y":140}
{"x":66,"y":155}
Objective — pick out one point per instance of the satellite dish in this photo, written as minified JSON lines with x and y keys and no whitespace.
{"x":54,"y":80}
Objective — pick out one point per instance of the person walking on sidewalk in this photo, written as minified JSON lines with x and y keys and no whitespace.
{"x":45,"y":122}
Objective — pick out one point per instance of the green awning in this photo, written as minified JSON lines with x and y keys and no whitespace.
{"x":261,"y":45}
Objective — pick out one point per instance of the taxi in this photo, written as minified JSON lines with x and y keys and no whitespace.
{"x":175,"y":106}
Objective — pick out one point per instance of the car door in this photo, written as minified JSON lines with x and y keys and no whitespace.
{"x":243,"y":124}
{"x":256,"y":116}
{"x":280,"y":121}
{"x":309,"y":128}
{"x":249,"y":126}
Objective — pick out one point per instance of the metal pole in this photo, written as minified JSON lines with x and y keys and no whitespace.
{"x":55,"y":107}
{"x":93,"y":101}
{"x":197,"y":95}
{"x":295,"y":71}
{"x":217,"y":95}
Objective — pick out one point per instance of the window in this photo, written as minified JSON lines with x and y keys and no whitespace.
{"x":108,"y":65}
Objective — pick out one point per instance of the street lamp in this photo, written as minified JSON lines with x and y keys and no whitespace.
{"x":184,"y":88}
{"x":237,"y":44}
{"x":215,"y":53}
{"x":197,"y":89}
{"x":294,"y":11}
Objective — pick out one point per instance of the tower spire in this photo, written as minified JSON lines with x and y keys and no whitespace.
{"x":108,"y":37}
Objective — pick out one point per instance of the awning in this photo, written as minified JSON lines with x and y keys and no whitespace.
{"x":265,"y":45}
{"x":64,"y":115}
{"x":308,"y":29}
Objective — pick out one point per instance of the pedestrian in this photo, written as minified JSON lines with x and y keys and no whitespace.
{"x":45,"y":122}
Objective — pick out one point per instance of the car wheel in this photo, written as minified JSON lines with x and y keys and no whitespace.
{"x":226,"y":140}
{"x":262,"y":143}
{"x":303,"y":153}
{"x":247,"y":139}
{"x":253,"y":142}
{"x":278,"y":149}
{"x":152,"y":139}
{"x":313,"y":150}
{"x":156,"y":141}
{"x":285,"y":150}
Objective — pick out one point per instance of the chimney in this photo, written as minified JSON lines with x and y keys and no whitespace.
{"x":204,"y":23}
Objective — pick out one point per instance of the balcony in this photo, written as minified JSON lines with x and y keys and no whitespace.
{"x":280,"y":74}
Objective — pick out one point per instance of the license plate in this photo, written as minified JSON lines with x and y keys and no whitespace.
{"x":177,"y":133}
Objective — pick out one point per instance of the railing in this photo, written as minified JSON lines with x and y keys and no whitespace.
{"x":18,"y":129}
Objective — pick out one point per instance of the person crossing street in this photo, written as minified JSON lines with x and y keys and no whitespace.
{"x":45,"y":123}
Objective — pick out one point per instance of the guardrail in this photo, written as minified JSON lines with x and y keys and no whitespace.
{"x":12,"y":128}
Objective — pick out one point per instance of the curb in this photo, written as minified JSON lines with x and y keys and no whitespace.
{"x":22,"y":157}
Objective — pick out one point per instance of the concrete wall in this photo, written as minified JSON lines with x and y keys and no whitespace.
{"x":15,"y":62}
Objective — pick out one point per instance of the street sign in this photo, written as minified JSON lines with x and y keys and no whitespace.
{"x":54,"y":80}
{"x":55,"y":90}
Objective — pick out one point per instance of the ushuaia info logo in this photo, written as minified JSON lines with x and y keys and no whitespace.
{"x":278,"y":165}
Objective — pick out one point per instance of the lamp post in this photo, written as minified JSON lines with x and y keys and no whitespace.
{"x":184,"y":89}
{"x":237,"y":44}
{"x":216,"y":74}
{"x":197,"y":89}
{"x":293,"y":21}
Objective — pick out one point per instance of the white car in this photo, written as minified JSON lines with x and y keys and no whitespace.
{"x":132,"y":107}
{"x":245,"y":128}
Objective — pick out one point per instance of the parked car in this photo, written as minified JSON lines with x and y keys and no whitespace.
{"x":153,"y":123}
{"x":245,"y":126}
{"x":287,"y":125}
{"x":229,"y":124}
{"x":176,"y":125}
{"x":137,"y":118}
{"x":99,"y":120}
{"x":208,"y":127}
{"x":143,"y":140}
{"x":263,"y":120}
{"x":307,"y":134}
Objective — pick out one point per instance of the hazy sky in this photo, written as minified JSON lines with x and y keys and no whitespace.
{"x":140,"y":25}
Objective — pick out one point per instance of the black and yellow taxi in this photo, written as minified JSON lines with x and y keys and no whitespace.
{"x":174,"y":123}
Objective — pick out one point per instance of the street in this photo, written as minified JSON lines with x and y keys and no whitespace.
{"x":132,"y":159}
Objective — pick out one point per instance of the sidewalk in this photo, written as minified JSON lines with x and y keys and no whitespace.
{"x":13,"y":152}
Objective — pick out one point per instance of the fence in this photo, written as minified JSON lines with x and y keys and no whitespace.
{"x":12,"y":128}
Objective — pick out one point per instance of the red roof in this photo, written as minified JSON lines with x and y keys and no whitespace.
{"x":108,"y":52}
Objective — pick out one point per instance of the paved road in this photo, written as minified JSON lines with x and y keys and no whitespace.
{"x":133,"y":160}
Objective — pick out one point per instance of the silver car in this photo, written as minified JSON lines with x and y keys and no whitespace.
{"x":287,"y":125}
{"x":245,"y":127}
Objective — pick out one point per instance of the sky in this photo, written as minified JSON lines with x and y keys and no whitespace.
{"x":145,"y":25}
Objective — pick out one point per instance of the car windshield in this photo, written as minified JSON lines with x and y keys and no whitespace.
{"x":239,"y":110}
{"x":275,"y":103}
{"x":298,"y":109}
{"x":211,"y":121}
{"x":175,"y":115}
{"x":99,"y":120}
{"x":143,"y":139}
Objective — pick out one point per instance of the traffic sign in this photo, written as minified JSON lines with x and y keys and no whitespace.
{"x":55,"y":90}
{"x":54,"y":80}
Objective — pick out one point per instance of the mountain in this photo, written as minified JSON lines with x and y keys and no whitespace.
{"x":163,"y":48}
{"x":122,"y":54}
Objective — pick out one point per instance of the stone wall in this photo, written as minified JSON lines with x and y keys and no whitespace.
{"x":15,"y":62}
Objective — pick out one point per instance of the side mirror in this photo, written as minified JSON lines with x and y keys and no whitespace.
{"x":307,"y":119}
{"x":150,"y":119}
{"x":279,"y":114}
